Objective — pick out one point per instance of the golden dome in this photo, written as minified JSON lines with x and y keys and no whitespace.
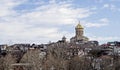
{"x":79,"y":26}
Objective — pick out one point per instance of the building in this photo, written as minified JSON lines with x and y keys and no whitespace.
{"x":3,"y":47}
{"x":79,"y":35}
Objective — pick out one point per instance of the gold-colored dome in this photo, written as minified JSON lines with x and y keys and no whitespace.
{"x":79,"y":26}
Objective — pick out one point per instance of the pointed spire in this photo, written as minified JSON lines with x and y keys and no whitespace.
{"x":79,"y":26}
{"x":79,"y":22}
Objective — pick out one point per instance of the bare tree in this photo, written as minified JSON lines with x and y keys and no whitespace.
{"x":6,"y":62}
{"x":34,"y":59}
{"x":56,"y":57}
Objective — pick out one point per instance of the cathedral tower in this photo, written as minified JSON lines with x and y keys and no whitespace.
{"x":79,"y":30}
{"x":79,"y":35}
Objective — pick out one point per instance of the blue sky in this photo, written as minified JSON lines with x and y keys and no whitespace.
{"x":41,"y":21}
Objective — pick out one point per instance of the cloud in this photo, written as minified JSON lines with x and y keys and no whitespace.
{"x":106,"y":6}
{"x":100,"y":23}
{"x":98,"y":1}
{"x":56,"y":13}
{"x":39,"y":24}
{"x":115,"y":0}
{"x":110,"y":7}
{"x":105,"y":39}
{"x":104,"y":20}
{"x":6,"y":7}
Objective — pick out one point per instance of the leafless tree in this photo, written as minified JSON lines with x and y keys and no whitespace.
{"x":34,"y":59}
{"x":6,"y":62}
{"x":56,"y":57}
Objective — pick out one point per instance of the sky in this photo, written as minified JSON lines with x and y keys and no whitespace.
{"x":41,"y":21}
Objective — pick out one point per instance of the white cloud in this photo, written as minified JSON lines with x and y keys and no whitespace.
{"x":115,"y":0}
{"x":6,"y":7}
{"x":100,"y":23}
{"x":42,"y":23}
{"x":106,"y":6}
{"x":39,"y":24}
{"x":55,"y":13}
{"x":99,"y":1}
{"x":110,"y":7}
{"x":95,"y":25}
{"x":105,"y":39}
{"x":104,"y":20}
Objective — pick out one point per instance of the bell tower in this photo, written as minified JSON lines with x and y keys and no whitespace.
{"x":79,"y":35}
{"x":79,"y":30}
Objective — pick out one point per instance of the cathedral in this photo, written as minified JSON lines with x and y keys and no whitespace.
{"x":79,"y":35}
